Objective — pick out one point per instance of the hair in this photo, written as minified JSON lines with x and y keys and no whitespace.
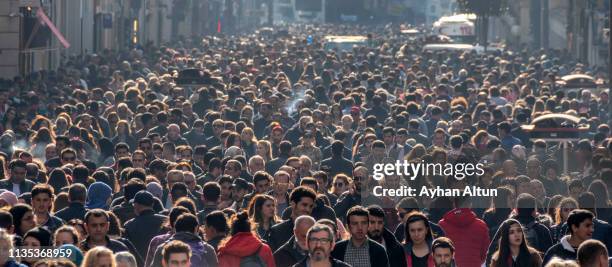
{"x":187,"y":203}
{"x":93,"y":255}
{"x":186,"y":222}
{"x":590,"y":251}
{"x":503,"y":252}
{"x":175,"y":247}
{"x":347,"y":180}
{"x":96,"y":213}
{"x":239,"y":223}
{"x":18,"y":211}
{"x":68,"y":229}
{"x":6,"y":219}
{"x":300,"y":192}
{"x":376,"y":211}
{"x":413,"y":217}
{"x":42,"y":189}
{"x":576,"y":217}
{"x":564,"y":202}
{"x":218,"y":221}
{"x":442,"y":242}
{"x":356,"y":211}
{"x":255,"y":207}
{"x":7,"y":237}
{"x":211,"y":191}
{"x":557,"y":262}
{"x":319,"y":227}
{"x":126,"y":258}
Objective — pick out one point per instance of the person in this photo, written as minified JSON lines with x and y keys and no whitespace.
{"x":42,"y":203}
{"x":97,"y":224}
{"x":580,"y":229}
{"x":321,"y":241}
{"x":146,"y":225}
{"x":176,"y":254}
{"x":35,"y":239}
{"x":296,"y":249}
{"x":562,"y":211}
{"x":593,"y":253}
{"x":66,"y":235}
{"x":17,"y":182}
{"x":6,"y":244}
{"x":337,"y":163}
{"x":359,"y":250}
{"x":262,"y":213}
{"x":77,"y":195}
{"x":216,"y":228}
{"x":125,"y":259}
{"x":185,"y":230}
{"x":98,"y":196}
{"x":470,"y":234}
{"x":23,"y":219}
{"x":379,"y":233}
{"x":243,"y":246}
{"x":98,"y":257}
{"x":419,"y":237}
{"x":513,"y":249}
{"x":302,"y":201}
{"x":443,"y":251}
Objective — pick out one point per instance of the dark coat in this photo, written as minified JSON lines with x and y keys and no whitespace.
{"x":378,"y":255}
{"x":280,"y":234}
{"x":74,"y":210}
{"x":337,"y":165}
{"x":288,"y":255}
{"x":143,"y":228}
{"x":395,"y":251}
{"x":25,"y":186}
{"x":562,"y":250}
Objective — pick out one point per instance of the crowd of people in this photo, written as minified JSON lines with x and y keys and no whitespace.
{"x":267,"y":160}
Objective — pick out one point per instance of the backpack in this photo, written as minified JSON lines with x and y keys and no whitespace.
{"x":253,"y":260}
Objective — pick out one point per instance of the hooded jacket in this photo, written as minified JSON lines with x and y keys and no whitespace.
{"x":407,"y":248}
{"x":470,"y":235}
{"x":242,"y":245}
{"x":563,"y":250}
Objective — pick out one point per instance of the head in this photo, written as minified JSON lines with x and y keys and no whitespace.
{"x":99,"y":257}
{"x":300,"y":229}
{"x":376,"y":217}
{"x":443,"y":251}
{"x":321,"y":241}
{"x":357,"y":219}
{"x":302,"y":200}
{"x":418,"y":229}
{"x":23,"y":218}
{"x":97,"y":224}
{"x":593,"y":253}
{"x":262,"y":207}
{"x":580,"y":224}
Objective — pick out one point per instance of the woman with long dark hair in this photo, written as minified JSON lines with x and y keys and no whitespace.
{"x":513,"y":249}
{"x":418,"y":241}
{"x":262,"y":213}
{"x":243,"y":243}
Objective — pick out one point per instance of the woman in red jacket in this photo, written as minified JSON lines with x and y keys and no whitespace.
{"x":417,"y":246}
{"x":243,"y":245}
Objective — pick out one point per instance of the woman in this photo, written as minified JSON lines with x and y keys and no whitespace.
{"x":262,"y":212}
{"x":340,"y":184}
{"x":8,"y":199}
{"x":513,"y":249}
{"x":80,"y":227}
{"x":264,"y":149}
{"x":479,"y":141}
{"x":125,"y":259}
{"x":562,"y":212}
{"x":99,"y":257}
{"x":243,"y":243}
{"x":66,"y":235}
{"x":124,"y":134}
{"x":23,"y":218}
{"x":107,"y":152}
{"x":113,"y":119}
{"x":39,"y":142}
{"x":249,"y":142}
{"x":35,"y":239}
{"x":418,"y":241}
{"x":602,"y":203}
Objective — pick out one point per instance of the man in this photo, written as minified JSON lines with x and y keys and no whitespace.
{"x":301,"y":201}
{"x":210,"y":198}
{"x":17,"y":182}
{"x":240,"y":187}
{"x":256,"y":163}
{"x":173,"y":177}
{"x":443,"y":252}
{"x":276,"y":163}
{"x":380,"y":234}
{"x":146,"y":225}
{"x":42,"y":200}
{"x":505,"y":136}
{"x":215,"y":140}
{"x":593,"y":253}
{"x":186,"y":230}
{"x":215,"y":169}
{"x":358,"y":194}
{"x":233,"y":168}
{"x":77,"y":195}
{"x":176,"y":254}
{"x":215,"y":228}
{"x":415,"y":133}
{"x":97,"y":225}
{"x":337,"y":163}
{"x":580,"y":228}
{"x":262,"y":181}
{"x":359,"y":250}
{"x":320,"y":240}
{"x":125,"y":210}
{"x":296,"y":249}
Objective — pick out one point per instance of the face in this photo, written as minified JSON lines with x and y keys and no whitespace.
{"x":358,"y":226}
{"x":320,"y":245}
{"x":104,"y":261}
{"x":231,"y":170}
{"x":256,"y":165}
{"x":31,"y":243}
{"x":18,"y":174}
{"x":177,"y":260}
{"x":261,"y":150}
{"x":238,"y":193}
{"x":97,"y":227}
{"x":277,"y":136}
{"x":41,"y":203}
{"x":443,"y":257}
{"x":438,"y":139}
{"x":303,"y":207}
{"x":376,"y":227}
{"x":268,"y":209}
{"x":340,"y":186}
{"x":515,"y":235}
{"x":388,"y":138}
{"x":584,"y":230}
{"x":576,"y":191}
{"x":138,"y":160}
{"x":4,"y":250}
{"x":217,"y":128}
{"x":565,"y":210}
{"x":226,"y":190}
{"x":281,"y":183}
{"x":27,"y":222}
{"x":417,"y":231}
{"x":174,"y":178}
{"x":63,"y":238}
{"x":190,"y":182}
{"x":262,"y":186}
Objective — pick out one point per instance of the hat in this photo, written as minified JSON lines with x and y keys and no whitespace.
{"x":98,"y":194}
{"x":241,"y":183}
{"x":143,"y":197}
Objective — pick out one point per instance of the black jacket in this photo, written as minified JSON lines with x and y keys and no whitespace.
{"x":74,"y":210}
{"x":25,"y":186}
{"x":273,"y":165}
{"x":395,"y":252}
{"x":378,"y":255}
{"x":288,"y":255}
{"x":562,"y":250}
{"x":143,"y":228}
{"x":280,"y":234}
{"x":334,"y":263}
{"x":336,"y":165}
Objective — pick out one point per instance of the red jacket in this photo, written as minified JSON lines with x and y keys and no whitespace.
{"x":469,"y":234}
{"x":242,"y":245}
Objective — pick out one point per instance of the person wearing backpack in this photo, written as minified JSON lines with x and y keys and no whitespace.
{"x":244,"y":248}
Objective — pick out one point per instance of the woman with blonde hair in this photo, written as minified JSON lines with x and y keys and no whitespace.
{"x":264,"y":149}
{"x":99,"y":257}
{"x":248,"y":141}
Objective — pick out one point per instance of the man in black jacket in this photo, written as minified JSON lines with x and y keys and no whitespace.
{"x":17,"y":182}
{"x":380,"y":234}
{"x":285,"y":152}
{"x":302,"y":200}
{"x":321,"y":241}
{"x":580,"y":227}
{"x":360,"y":250}
{"x":146,"y":224}
{"x":77,"y":194}
{"x":337,"y":163}
{"x":296,"y":249}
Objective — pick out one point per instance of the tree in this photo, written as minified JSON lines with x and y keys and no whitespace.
{"x":483,"y":9}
